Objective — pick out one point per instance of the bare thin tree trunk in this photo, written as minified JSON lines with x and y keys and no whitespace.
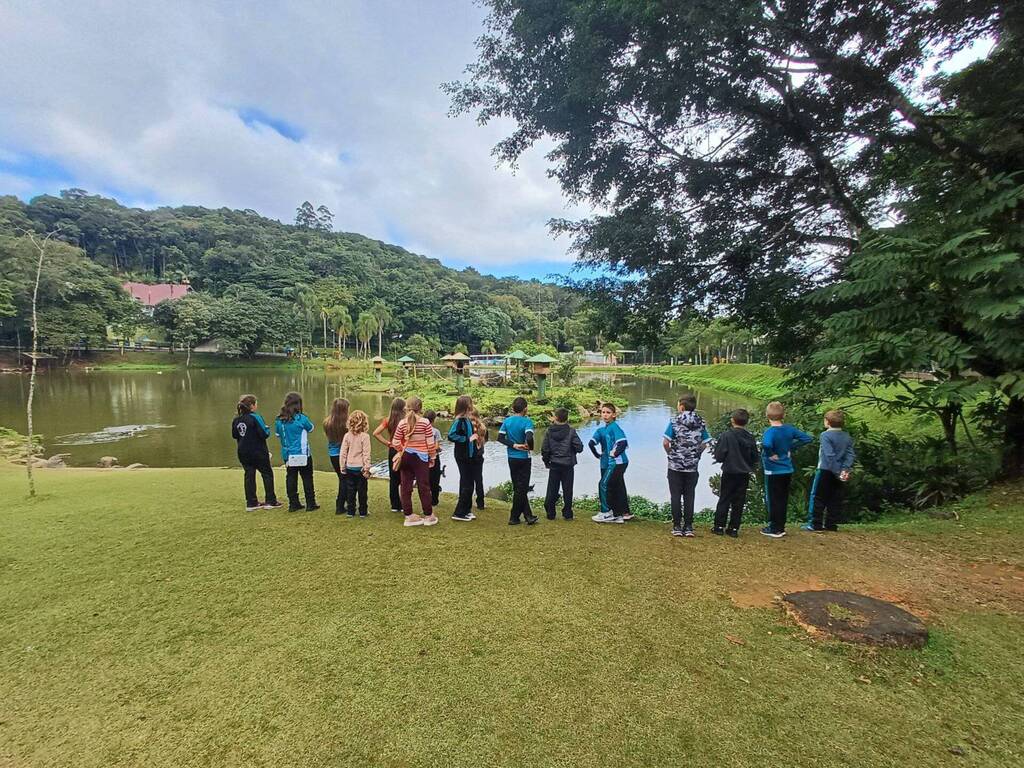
{"x":30,"y":447}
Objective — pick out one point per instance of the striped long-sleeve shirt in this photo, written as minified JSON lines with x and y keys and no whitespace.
{"x":420,"y":441}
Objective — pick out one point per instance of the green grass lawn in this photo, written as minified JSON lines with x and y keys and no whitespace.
{"x":149,"y":620}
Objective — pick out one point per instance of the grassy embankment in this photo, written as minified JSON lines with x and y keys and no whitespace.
{"x":765,"y":382}
{"x":149,"y":621}
{"x":165,"y":361}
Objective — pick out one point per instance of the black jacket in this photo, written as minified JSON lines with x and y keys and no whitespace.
{"x":561,"y":444}
{"x":736,"y":451}
{"x":251,"y":432}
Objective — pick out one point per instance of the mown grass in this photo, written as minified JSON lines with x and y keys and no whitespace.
{"x":765,"y":382}
{"x":148,"y":360}
{"x":148,"y":620}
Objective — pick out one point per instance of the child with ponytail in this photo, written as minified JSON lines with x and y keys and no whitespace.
{"x":250,"y":432}
{"x":415,"y":454}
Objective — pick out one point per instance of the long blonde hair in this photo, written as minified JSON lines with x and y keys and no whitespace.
{"x":413,"y":406}
{"x":358,"y":422}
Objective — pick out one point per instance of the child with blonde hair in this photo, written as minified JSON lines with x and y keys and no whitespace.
{"x":415,"y":454}
{"x":778,"y":442}
{"x":355,"y":458}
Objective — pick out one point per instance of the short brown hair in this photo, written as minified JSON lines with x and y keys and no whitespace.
{"x":835,"y":419}
{"x":775,"y":410}
{"x":740,"y":417}
{"x":688,"y":401}
{"x":610,"y":406}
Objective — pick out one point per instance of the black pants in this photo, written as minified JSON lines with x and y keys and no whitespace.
{"x":776,"y":498}
{"x":732,"y":495}
{"x":465,"y":502}
{"x":682,"y":487}
{"x":519,"y":471}
{"x":478,"y":479}
{"x":291,"y":484}
{"x":826,"y":499}
{"x":435,"y":481}
{"x":394,"y":482}
{"x":559,"y":476}
{"x":252,"y":465}
{"x":339,"y":502}
{"x":355,"y":486}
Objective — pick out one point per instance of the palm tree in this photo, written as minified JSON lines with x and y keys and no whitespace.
{"x":366,"y":325}
{"x":341,"y":321}
{"x":383,"y":315}
{"x":306,"y":305}
{"x":612,"y":350}
{"x":487,"y":347}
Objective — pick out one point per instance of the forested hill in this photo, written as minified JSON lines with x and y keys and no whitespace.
{"x":231,"y":254}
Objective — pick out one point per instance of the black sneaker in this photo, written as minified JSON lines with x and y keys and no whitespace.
{"x":531,"y":519}
{"x":350,"y":514}
{"x":550,"y":517}
{"x":688,"y":533}
{"x":295,"y":507}
{"x":718,"y":531}
{"x":732,"y":532}
{"x":568,"y":517}
{"x":832,"y":528}
{"x":313,"y":508}
{"x":514,"y":521}
{"x":677,"y":530}
{"x":364,"y":513}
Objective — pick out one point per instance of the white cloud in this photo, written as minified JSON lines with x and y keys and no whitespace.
{"x":143,"y":97}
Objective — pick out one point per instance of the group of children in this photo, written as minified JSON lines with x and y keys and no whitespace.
{"x":414,"y":444}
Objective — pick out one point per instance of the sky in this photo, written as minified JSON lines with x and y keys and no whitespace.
{"x":265,"y":105}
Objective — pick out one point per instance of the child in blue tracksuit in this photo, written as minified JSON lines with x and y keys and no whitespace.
{"x":777,"y":443}
{"x":835,"y":460}
{"x":516,"y":434}
{"x":612,"y":488}
{"x":293,"y":427}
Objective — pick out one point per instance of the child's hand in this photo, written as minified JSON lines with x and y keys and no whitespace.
{"x":521,"y":447}
{"x":474,"y":438}
{"x":774,"y":457}
{"x":366,"y":473}
{"x":844,"y":475}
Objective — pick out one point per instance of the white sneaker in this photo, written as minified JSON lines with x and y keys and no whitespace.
{"x":412,"y":520}
{"x":471,"y":516}
{"x":628,"y":516}
{"x":606,"y":517}
{"x":253,"y":509}
{"x":431,"y":520}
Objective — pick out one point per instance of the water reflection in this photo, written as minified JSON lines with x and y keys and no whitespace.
{"x":200,"y":404}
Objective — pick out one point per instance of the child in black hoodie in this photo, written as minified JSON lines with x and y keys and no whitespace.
{"x":736,"y":451}
{"x":561,"y":444}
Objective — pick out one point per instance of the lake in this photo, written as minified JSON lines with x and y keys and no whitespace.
{"x":182,"y":419}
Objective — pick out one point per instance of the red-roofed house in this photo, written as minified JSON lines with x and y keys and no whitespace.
{"x":151,"y":295}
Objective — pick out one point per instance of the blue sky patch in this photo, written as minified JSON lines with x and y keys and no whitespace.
{"x":252,"y":117}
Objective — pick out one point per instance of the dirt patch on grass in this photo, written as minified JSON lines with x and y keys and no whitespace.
{"x":918,"y":576}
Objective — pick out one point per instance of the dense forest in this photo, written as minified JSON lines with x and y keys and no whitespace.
{"x":258,"y":283}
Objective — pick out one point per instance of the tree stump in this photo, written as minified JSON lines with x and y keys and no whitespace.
{"x":856,"y":618}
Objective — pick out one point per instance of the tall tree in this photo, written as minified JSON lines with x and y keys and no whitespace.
{"x":724,"y":139}
{"x":341,"y":321}
{"x":366,"y":326}
{"x":384,"y":316}
{"x":305,"y":216}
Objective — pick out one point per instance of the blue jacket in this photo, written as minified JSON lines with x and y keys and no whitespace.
{"x":780,"y":441}
{"x":460,"y":432}
{"x":836,"y":451}
{"x":613,"y":444}
{"x":516,"y":430}
{"x":294,"y":435}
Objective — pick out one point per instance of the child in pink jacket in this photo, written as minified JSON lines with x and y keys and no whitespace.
{"x":355,"y":458}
